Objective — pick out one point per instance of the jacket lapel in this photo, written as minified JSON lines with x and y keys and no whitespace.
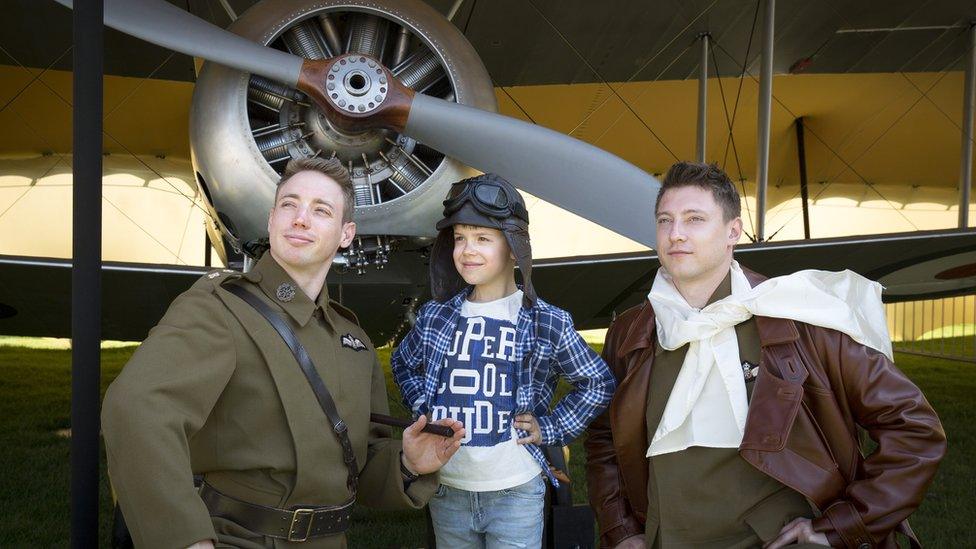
{"x":776,"y":401}
{"x":778,"y":392}
{"x":628,"y":409}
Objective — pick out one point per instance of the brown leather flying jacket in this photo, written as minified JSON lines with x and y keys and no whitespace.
{"x":815,"y":386}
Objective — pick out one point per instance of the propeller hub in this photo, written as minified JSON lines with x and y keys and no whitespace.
{"x":356,"y":84}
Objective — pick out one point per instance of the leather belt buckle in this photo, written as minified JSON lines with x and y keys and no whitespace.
{"x":297,"y":516}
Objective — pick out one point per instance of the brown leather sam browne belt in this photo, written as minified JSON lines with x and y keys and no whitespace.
{"x":293,"y":525}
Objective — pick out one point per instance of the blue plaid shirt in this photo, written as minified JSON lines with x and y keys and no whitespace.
{"x":547,"y":346}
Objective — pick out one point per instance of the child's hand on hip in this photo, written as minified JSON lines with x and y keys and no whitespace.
{"x":529,"y":424}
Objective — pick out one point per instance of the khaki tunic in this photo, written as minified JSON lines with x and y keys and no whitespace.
{"x":214,"y":390}
{"x":710,"y":497}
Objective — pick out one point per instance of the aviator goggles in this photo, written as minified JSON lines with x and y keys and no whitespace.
{"x":487,"y":197}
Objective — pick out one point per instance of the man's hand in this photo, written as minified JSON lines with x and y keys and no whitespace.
{"x":426,"y":452}
{"x":798,"y":530}
{"x":633,"y":542}
{"x":529,"y":424}
{"x":202,"y":544}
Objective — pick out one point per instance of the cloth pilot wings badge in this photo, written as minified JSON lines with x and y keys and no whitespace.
{"x":353,"y":342}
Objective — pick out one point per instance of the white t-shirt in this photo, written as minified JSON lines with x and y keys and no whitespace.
{"x":477,"y":387}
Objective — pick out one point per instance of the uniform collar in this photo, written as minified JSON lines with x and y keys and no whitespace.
{"x":723,"y":290}
{"x":278,"y":285}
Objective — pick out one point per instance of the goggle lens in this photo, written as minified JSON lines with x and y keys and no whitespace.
{"x":456,"y":190}
{"x":491,"y":195}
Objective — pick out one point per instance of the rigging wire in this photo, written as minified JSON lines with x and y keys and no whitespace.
{"x":729,"y":122}
{"x":227,"y":8}
{"x":62,"y":160}
{"x":34,"y":77}
{"x":837,"y":155}
{"x":874,"y":47}
{"x":517,"y":104}
{"x":467,"y":20}
{"x":918,"y":100}
{"x":638,"y":96}
{"x":143,"y":229}
{"x":901,"y":70}
{"x":810,"y":131}
{"x":857,"y":131}
{"x":944,"y":73}
{"x":119,"y":143}
{"x":59,"y":160}
{"x":738,"y":93}
{"x":602,"y":79}
{"x":652,"y":58}
{"x":138,"y":86}
{"x":944,"y":32}
{"x":925,"y":95}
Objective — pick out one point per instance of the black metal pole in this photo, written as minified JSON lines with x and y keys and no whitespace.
{"x":969,"y":104}
{"x":207,"y":259}
{"x":86,"y":282}
{"x":801,"y":156}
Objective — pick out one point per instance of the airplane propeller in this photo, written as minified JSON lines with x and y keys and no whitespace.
{"x":357,"y":92}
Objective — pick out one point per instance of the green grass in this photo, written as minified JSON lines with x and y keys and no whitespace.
{"x":35,"y":405}
{"x":963,"y":346}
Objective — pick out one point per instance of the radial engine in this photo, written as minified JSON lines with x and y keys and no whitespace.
{"x":245,"y":128}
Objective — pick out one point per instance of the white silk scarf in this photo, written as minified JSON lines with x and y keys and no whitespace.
{"x":708,"y":404}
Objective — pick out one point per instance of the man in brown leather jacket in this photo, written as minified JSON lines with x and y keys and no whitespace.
{"x":687,"y":457}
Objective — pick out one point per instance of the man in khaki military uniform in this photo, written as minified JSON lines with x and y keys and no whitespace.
{"x":215,"y":391}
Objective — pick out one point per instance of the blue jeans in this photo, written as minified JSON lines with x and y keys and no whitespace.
{"x":503,"y":518}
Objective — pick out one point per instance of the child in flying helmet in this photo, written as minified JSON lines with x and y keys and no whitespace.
{"x":488,"y":352}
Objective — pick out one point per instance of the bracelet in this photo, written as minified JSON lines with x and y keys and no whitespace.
{"x":408,"y":476}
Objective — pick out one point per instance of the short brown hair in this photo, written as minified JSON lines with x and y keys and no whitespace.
{"x":331,"y":168}
{"x":704,"y":176}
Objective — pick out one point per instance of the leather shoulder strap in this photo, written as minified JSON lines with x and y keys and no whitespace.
{"x":322,"y":394}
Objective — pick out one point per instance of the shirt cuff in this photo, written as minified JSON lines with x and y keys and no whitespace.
{"x":626,"y":529}
{"x":842,"y":525}
{"x":550,"y":435}
{"x":416,"y":406}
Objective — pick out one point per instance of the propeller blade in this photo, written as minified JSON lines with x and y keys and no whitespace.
{"x":564,"y":171}
{"x":569,"y":173}
{"x":166,"y":25}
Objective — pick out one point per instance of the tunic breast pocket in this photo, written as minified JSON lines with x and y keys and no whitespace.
{"x":354,"y":394}
{"x":356,"y":368}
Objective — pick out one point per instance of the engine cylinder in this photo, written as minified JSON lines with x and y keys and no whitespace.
{"x":244,"y":128}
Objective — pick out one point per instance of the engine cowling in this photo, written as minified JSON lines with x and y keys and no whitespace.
{"x":244,"y":128}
